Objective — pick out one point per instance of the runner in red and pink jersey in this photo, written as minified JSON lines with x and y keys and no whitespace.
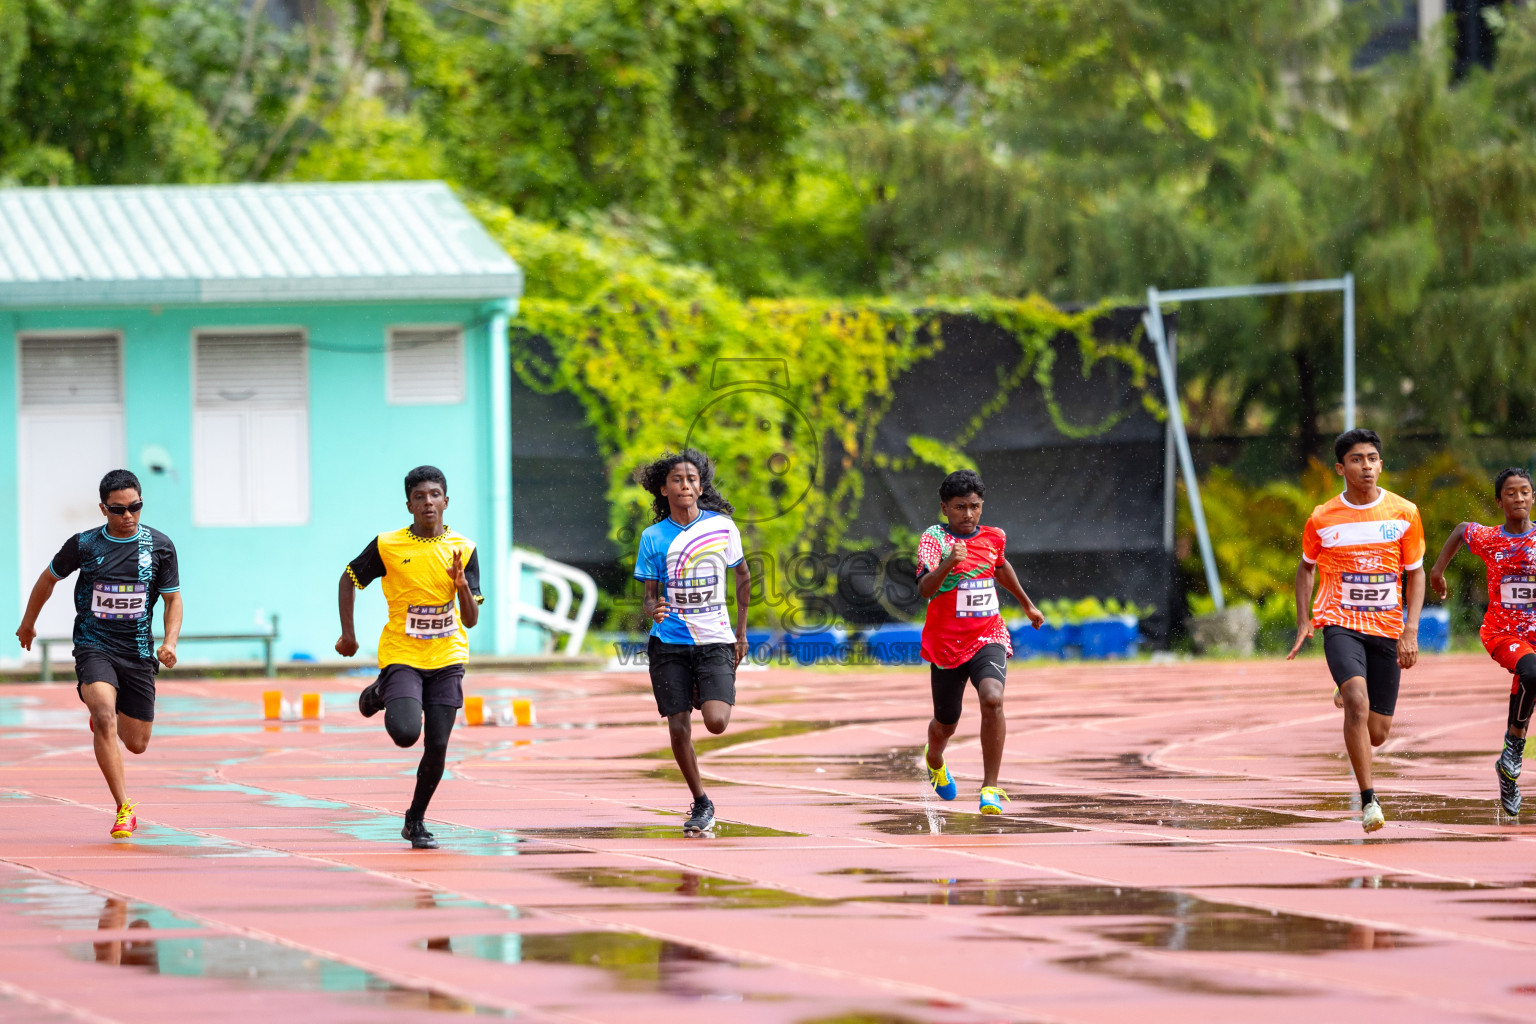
{"x":1509,"y":624}
{"x":959,"y":565}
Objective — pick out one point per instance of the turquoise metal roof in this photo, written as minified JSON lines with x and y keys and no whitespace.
{"x":190,"y":244}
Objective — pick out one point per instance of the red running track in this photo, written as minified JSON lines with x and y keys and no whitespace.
{"x":1180,"y":846}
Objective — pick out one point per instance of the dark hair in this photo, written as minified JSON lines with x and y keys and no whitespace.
{"x":960,"y":483}
{"x":654,"y":477}
{"x":1503,"y":478}
{"x":1350,"y":438}
{"x":422,"y":475}
{"x":119,"y":480}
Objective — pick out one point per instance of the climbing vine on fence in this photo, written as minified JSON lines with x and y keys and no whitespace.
{"x":785,"y":395}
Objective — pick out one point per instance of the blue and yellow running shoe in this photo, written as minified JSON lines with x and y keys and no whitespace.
{"x":939,"y":778}
{"x":992,"y":800}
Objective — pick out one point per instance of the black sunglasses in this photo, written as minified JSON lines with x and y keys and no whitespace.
{"x":119,"y":510}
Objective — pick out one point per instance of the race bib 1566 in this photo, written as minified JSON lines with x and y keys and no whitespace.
{"x":699,"y":594}
{"x":1369,"y":591}
{"x":119,"y":600}
{"x":976,"y":599}
{"x":1518,"y":592}
{"x":429,"y":622}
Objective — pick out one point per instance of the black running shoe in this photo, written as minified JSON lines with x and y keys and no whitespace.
{"x":1509,"y":765}
{"x":416,"y":831}
{"x":701,"y":817}
{"x":369,"y":702}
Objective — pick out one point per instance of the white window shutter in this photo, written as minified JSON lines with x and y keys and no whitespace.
{"x":425,"y":366}
{"x":84,"y":370}
{"x":250,"y":437}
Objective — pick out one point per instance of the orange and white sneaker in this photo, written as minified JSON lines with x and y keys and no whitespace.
{"x":126,"y":821}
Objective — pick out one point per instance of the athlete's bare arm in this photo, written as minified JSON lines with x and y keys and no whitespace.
{"x":346,"y":598}
{"x":469,"y":608}
{"x":41,"y":591}
{"x":1306,"y":577}
{"x":655,"y":606}
{"x":1453,"y":544}
{"x":934,"y":579}
{"x":1413,"y":602}
{"x":743,"y":598}
{"x":1010,"y":581}
{"x":167,"y":651}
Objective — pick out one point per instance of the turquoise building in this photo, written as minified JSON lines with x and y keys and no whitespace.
{"x":270,"y":360}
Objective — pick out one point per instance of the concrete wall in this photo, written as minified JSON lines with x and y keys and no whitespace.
{"x":360,"y":450}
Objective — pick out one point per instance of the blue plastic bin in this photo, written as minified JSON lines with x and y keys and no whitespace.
{"x":1435,"y":629}
{"x":815,"y":645}
{"x":898,"y":643}
{"x":1045,"y":642}
{"x":1108,"y":638}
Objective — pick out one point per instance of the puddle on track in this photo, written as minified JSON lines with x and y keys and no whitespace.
{"x":1127,"y":968}
{"x":724,"y":893}
{"x":938,"y":822}
{"x":705,"y":743}
{"x":1422,"y":807}
{"x":634,"y":961}
{"x":1182,"y":814}
{"x":1255,"y":931}
{"x":722,"y":830}
{"x":266,"y":965}
{"x":70,"y":907}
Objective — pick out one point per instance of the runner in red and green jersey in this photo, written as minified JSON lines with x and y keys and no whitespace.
{"x":959,"y":565}
{"x":1509,"y":624}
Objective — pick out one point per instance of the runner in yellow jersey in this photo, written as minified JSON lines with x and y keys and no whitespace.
{"x":432,"y":583}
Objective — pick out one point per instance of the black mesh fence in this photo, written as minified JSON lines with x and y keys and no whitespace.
{"x":1084,"y":514}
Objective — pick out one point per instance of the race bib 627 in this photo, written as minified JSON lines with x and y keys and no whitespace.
{"x":1369,"y":591}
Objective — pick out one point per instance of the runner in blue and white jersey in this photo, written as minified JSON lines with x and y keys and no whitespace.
{"x":685,"y":559}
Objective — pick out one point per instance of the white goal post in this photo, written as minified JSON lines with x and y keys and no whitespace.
{"x":1167,"y":369}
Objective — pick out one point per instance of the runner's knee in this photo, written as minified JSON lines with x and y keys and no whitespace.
{"x":991,"y":698}
{"x":104,"y":719}
{"x":1357,"y":702}
{"x":402,"y":720}
{"x":680,"y":725}
{"x":716,"y":721}
{"x":135,"y":744}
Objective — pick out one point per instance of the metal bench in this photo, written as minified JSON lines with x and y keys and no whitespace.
{"x":265,"y":639}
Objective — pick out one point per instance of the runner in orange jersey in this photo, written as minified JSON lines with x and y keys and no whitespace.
{"x":1367,"y":544}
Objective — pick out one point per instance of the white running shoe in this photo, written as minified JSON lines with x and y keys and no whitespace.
{"x":1372,"y":819}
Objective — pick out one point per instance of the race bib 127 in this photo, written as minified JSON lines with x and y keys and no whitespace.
{"x":119,"y":600}
{"x":976,"y":599}
{"x":430,"y":622}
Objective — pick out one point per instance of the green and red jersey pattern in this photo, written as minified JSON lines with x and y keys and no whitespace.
{"x":952,"y":634}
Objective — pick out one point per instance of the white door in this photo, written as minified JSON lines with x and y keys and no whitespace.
{"x":69,"y":434}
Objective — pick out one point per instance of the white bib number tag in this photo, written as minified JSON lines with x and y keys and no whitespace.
{"x":1369,"y":591}
{"x":119,"y":600}
{"x":975,"y":599}
{"x":696,"y":595}
{"x":429,"y":622}
{"x":1518,"y":592}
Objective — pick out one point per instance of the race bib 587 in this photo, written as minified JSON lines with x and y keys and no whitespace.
{"x":119,"y":600}
{"x":699,"y":594}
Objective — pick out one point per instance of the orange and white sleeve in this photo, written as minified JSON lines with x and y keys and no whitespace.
{"x":1312,"y":542}
{"x":1413,"y":543}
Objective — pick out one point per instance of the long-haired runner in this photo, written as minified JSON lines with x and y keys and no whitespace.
{"x":1509,"y":624}
{"x":685,"y":558}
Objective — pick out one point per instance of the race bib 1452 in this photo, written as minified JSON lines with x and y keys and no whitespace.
{"x":119,"y":600}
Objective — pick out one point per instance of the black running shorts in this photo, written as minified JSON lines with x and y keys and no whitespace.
{"x":1374,"y":658}
{"x":991,"y":662}
{"x":444,"y":686}
{"x":133,"y":680}
{"x":684,"y":676}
